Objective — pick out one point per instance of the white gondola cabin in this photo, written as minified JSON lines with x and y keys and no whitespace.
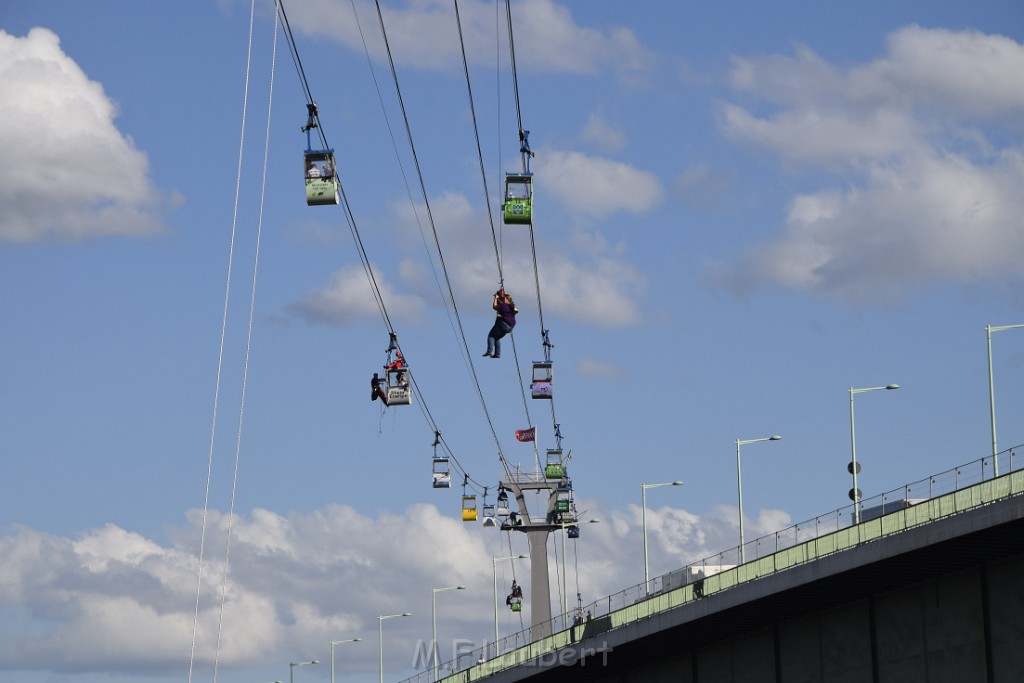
{"x":516,"y":604}
{"x":543,"y":373}
{"x":469,"y":508}
{"x":554,"y":469}
{"x":502,"y":508}
{"x":398,"y":390}
{"x":518,"y":206}
{"x":442,"y":474}
{"x":488,"y":512}
{"x":322,"y":186}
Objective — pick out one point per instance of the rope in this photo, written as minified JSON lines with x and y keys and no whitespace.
{"x":245,"y":367}
{"x":479,"y":151}
{"x":220,"y":352}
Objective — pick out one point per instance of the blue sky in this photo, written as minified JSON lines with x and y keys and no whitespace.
{"x":741,"y":212}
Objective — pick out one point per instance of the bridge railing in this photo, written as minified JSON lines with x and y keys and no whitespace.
{"x":939,"y":495}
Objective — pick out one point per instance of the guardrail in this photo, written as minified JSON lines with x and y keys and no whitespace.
{"x":941,"y":495}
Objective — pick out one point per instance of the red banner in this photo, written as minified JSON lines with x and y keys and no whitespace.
{"x":526,"y":434}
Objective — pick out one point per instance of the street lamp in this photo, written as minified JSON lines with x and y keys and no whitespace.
{"x":991,"y":390}
{"x":494,"y":574}
{"x":292,"y":665}
{"x":855,"y":493}
{"x":380,"y":637}
{"x":643,"y":517}
{"x":739,"y":482}
{"x":339,"y":642}
{"x":433,"y":618}
{"x":565,"y":586}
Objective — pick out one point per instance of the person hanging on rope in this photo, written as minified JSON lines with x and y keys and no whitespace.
{"x":377,"y":391}
{"x":503,"y":324}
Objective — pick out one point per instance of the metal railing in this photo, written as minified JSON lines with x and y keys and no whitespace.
{"x":937,"y":496}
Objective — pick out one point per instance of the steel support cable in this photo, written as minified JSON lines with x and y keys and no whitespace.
{"x":220,"y":352}
{"x":350,"y":218}
{"x":479,"y":150}
{"x":401,"y":166}
{"x":423,"y":190}
{"x":533,"y":245}
{"x":483,"y":175}
{"x":355,"y":232}
{"x":444,"y":300}
{"x":512,"y":56}
{"x":245,"y":366}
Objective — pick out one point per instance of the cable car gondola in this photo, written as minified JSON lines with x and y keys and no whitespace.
{"x":469,"y":508}
{"x":515,"y":597}
{"x":502,"y":508}
{"x":489,"y":515}
{"x":554,"y":469}
{"x":542,"y":376}
{"x":398,"y":391}
{"x":318,"y":167}
{"x":518,"y":206}
{"x":442,"y":474}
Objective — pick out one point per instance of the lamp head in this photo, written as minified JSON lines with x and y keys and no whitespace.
{"x":892,"y":386}
{"x":774,"y":438}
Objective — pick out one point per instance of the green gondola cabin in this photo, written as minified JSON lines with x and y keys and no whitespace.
{"x":518,"y":206}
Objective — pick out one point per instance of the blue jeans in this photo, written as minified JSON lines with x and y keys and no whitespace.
{"x":500,"y":329}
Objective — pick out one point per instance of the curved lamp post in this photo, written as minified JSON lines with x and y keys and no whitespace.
{"x":739,"y":482}
{"x":643,"y":517}
{"x":989,"y":329}
{"x":380,"y":638}
{"x":339,"y":642}
{"x":292,"y":665}
{"x":855,"y":493}
{"x":433,"y":619}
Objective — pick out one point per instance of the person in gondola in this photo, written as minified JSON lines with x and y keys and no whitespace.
{"x":312,"y":171}
{"x":503,"y":324}
{"x":399,"y":362}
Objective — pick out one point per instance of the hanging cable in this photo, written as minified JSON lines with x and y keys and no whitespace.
{"x":220,"y":352}
{"x":245,"y":367}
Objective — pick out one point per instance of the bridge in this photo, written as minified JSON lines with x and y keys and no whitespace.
{"x":926,"y":587}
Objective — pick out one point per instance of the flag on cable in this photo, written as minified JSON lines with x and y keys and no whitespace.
{"x":526,"y":434}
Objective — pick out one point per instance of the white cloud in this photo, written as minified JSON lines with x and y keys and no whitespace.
{"x":66,"y":172}
{"x":600,"y":369}
{"x":348,"y":297}
{"x":699,"y":185}
{"x":921,"y":192}
{"x":424,"y":34}
{"x":591,"y":282}
{"x":600,"y":133}
{"x":594,"y":186}
{"x":114,"y":601}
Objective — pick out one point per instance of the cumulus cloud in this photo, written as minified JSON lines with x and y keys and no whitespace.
{"x":600,"y":133}
{"x":591,"y":282}
{"x":348,"y":298}
{"x":595,"y":186}
{"x":600,"y":369}
{"x":921,"y":190}
{"x":67,"y":173}
{"x":114,"y":601}
{"x":425,"y":35}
